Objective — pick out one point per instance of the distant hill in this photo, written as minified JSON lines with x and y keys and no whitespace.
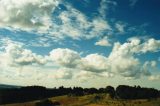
{"x":5,"y":86}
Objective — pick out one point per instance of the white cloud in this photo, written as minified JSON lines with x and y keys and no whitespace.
{"x":38,"y":16}
{"x":63,"y":73}
{"x":71,"y":59}
{"x":154,"y":78}
{"x":95,"y":63}
{"x":15,"y":54}
{"x":103,"y":42}
{"x":27,"y":14}
{"x":137,"y":46}
{"x":65,"y":57}
{"x":19,"y":63}
{"x":81,"y":26}
{"x":84,"y":75}
{"x":123,"y":62}
{"x":151,"y":45}
{"x":106,"y":74}
{"x":66,"y":63}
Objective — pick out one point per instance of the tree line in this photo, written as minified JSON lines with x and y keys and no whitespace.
{"x":29,"y":93}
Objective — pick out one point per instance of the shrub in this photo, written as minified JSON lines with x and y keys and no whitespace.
{"x":56,"y":103}
{"x":47,"y":102}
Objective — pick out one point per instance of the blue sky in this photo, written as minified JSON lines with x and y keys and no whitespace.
{"x":80,"y":42}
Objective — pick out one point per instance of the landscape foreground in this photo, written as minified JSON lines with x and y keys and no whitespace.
{"x":123,"y":95}
{"x":92,"y":100}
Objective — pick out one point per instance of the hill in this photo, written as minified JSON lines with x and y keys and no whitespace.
{"x":93,"y":100}
{"x":77,"y":96}
{"x":5,"y":86}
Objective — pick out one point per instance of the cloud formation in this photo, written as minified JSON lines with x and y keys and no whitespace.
{"x":15,"y":54}
{"x":84,"y":75}
{"x":27,"y":14}
{"x":47,"y":17}
{"x":63,"y":73}
{"x":154,"y":78}
{"x":65,"y":57}
{"x":95,"y":63}
{"x":103,"y":42}
{"x":150,"y":45}
{"x":121,"y":61}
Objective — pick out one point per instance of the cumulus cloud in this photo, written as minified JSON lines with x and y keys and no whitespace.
{"x":19,"y":63}
{"x":15,"y":54}
{"x":65,"y":57}
{"x":135,"y":45}
{"x":121,"y":61}
{"x":103,"y":42}
{"x":95,"y":63}
{"x":124,"y":62}
{"x":71,"y":59}
{"x":151,"y":45}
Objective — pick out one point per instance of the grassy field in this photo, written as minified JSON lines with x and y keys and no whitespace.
{"x":94,"y":100}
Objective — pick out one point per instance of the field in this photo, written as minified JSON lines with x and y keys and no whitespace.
{"x":93,"y":100}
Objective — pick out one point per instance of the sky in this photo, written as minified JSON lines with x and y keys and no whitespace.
{"x":87,"y":43}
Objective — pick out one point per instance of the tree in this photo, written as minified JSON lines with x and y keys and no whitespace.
{"x":110,"y":90}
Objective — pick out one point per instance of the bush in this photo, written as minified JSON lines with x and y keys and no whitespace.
{"x":96,"y":99}
{"x":47,"y":102}
{"x":56,"y":103}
